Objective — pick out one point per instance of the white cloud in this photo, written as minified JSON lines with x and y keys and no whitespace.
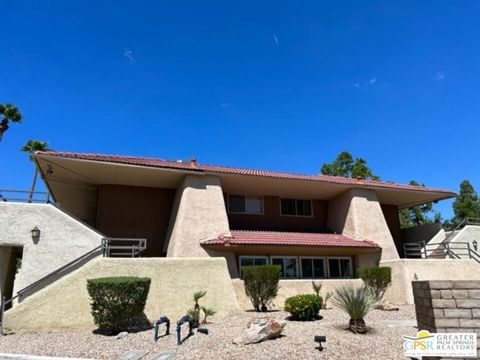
{"x":439,"y":76}
{"x":275,"y":39}
{"x":128,"y":54}
{"x":372,"y":81}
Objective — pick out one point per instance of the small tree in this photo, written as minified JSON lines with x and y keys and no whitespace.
{"x":261,"y":284}
{"x":376,"y":279}
{"x":356,"y":302}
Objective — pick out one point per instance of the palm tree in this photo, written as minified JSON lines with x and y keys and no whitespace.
{"x":10,"y":113}
{"x":356,"y":302}
{"x":30,"y":147}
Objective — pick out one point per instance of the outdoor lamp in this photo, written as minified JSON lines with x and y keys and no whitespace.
{"x":35,"y":234}
{"x":320,"y":339}
{"x":475,"y":245}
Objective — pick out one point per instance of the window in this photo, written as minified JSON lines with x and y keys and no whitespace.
{"x":252,"y":260}
{"x":288,"y":266}
{"x":313,"y":268}
{"x":245,"y":204}
{"x":296,"y":207}
{"x":340,"y":267}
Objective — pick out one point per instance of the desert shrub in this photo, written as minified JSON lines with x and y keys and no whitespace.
{"x":377,"y":279}
{"x":261,"y":284}
{"x":196,"y":311}
{"x":356,"y":302}
{"x":117,"y":302}
{"x":317,"y":287}
{"x":303,"y":307}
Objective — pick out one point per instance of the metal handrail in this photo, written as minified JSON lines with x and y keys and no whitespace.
{"x":105,"y":249}
{"x":46,"y":198}
{"x":139,"y":244}
{"x":452,"y":250}
{"x":26,"y":289}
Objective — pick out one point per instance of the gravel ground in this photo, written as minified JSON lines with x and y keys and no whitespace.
{"x":383,"y":342}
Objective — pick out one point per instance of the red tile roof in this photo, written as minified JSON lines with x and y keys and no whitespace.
{"x":190,"y":166}
{"x":247,"y":237}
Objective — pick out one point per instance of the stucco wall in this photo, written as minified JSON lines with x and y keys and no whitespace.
{"x":62,"y":238}
{"x":198,"y":213}
{"x":405,"y":270}
{"x":468,"y":234}
{"x":290,"y":288}
{"x":135,"y":212}
{"x":357,"y":214}
{"x":425,"y":232}
{"x":66,"y":303}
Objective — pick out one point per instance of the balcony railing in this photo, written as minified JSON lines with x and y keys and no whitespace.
{"x":25,"y":196}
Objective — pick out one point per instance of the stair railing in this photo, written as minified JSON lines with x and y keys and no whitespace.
{"x":133,"y":248}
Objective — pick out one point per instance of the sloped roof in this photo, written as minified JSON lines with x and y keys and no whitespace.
{"x":247,"y":237}
{"x":206,"y":168}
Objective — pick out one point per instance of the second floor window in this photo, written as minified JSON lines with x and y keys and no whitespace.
{"x":296,"y":207}
{"x":245,"y":204}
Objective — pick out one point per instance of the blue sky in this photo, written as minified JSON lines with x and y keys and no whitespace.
{"x":276,"y":85}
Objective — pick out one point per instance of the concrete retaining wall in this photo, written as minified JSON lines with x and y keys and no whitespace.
{"x":62,"y":239}
{"x":404,"y":271}
{"x":66,"y":303}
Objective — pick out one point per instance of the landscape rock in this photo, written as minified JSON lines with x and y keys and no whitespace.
{"x":260,"y":329}
{"x":387,"y":306}
{"x":122,"y":335}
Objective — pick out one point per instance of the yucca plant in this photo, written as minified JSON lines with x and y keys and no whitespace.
{"x":357,"y":302}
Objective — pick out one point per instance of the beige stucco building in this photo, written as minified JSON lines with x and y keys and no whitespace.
{"x":313,"y":226}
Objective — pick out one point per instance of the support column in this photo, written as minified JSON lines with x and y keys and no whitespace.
{"x":198,"y":213}
{"x":358,"y":215}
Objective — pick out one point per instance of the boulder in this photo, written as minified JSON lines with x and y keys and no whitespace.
{"x":260,"y":329}
{"x":122,"y":335}
{"x":387,"y":306}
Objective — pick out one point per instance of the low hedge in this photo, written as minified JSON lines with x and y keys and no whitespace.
{"x":304,"y":307}
{"x":117,"y":302}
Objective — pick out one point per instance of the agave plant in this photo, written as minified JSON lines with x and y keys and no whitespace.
{"x":357,"y":302}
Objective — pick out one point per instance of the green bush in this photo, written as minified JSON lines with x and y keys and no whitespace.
{"x":303,"y":307}
{"x":376,"y":279}
{"x":117,"y":302}
{"x":261,"y":284}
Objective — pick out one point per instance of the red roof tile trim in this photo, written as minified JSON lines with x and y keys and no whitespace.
{"x":247,"y":237}
{"x":194,"y":166}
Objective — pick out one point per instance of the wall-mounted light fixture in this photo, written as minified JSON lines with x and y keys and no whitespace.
{"x":475,"y":245}
{"x":35,"y":234}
